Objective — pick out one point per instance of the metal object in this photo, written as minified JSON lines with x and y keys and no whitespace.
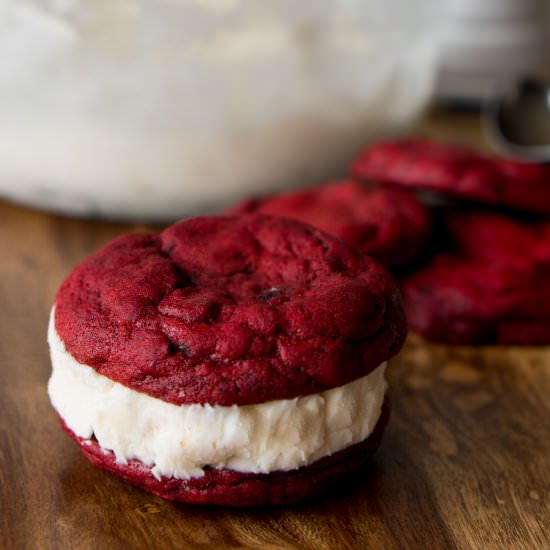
{"x":517,"y":120}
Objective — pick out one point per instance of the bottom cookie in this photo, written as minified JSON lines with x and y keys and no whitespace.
{"x":489,"y":286}
{"x":232,"y":488}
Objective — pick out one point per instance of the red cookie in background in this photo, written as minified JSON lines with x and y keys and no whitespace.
{"x":227,"y":360}
{"x":492,"y":287}
{"x":389,"y":224}
{"x":416,"y":163}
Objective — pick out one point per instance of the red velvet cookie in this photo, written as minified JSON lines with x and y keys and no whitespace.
{"x":491,"y":287}
{"x":216,"y":316}
{"x":389,"y":224}
{"x":417,"y":163}
{"x":230,"y":311}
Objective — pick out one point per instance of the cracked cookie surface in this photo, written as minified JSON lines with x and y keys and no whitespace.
{"x":230,"y":310}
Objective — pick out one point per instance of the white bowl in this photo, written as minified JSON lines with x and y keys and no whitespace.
{"x":153,"y":109}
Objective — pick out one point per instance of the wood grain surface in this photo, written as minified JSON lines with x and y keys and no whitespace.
{"x":465,"y":462}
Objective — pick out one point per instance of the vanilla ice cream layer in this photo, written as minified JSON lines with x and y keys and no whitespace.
{"x":180,"y":440}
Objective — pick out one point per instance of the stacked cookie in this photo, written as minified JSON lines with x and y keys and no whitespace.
{"x":486,"y":279}
{"x":457,"y":172}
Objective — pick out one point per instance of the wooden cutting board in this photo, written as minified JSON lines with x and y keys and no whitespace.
{"x":465,"y":461}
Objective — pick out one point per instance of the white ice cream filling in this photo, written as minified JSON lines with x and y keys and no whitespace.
{"x":180,"y":440}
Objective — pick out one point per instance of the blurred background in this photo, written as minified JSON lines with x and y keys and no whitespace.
{"x":155,"y":109}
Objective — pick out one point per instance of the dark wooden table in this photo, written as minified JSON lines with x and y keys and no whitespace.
{"x":465,"y":462}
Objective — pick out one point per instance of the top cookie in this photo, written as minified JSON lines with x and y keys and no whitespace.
{"x":230,"y":310}
{"x":389,"y":224}
{"x":457,"y":171}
